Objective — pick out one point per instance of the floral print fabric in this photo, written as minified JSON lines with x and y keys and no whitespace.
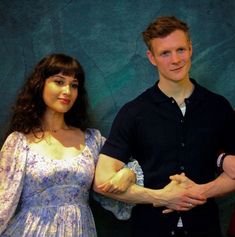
{"x":51,"y":195}
{"x":40,"y":196}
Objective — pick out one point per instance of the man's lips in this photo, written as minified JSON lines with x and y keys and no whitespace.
{"x":177,"y":69}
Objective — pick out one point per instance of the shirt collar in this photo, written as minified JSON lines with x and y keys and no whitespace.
{"x":159,"y":97}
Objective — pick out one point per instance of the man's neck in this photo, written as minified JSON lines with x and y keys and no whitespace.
{"x":179,"y":90}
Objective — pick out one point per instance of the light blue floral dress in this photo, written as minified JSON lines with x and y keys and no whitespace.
{"x":40,"y":196}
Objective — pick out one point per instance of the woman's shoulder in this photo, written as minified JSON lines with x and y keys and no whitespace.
{"x":15,"y":143}
{"x":15,"y":136}
{"x":93,"y":136}
{"x":93,"y":132}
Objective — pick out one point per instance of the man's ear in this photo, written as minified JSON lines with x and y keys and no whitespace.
{"x":151,"y":57}
{"x":190,"y":48}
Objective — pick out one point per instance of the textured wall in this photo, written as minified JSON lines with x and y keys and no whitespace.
{"x":105,"y":35}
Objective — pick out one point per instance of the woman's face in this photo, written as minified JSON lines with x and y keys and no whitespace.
{"x":60,"y":92}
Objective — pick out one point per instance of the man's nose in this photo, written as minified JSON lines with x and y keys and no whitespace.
{"x":175,"y":58}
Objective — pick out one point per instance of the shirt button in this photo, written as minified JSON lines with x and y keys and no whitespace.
{"x":182,"y":144}
{"x":172,"y":233}
{"x":181,"y":167}
{"x":182,"y":121}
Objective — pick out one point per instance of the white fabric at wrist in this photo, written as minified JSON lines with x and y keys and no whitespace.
{"x":220,"y":160}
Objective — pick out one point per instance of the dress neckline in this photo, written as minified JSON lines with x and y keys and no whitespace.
{"x":36,"y":153}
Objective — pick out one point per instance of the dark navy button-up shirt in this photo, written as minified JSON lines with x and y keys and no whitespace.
{"x":153,"y":130}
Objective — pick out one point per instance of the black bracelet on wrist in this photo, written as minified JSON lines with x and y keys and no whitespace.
{"x":220,"y":161}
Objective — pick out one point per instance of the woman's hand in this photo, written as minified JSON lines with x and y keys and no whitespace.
{"x":119,"y":182}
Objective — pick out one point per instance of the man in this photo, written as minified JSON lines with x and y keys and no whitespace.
{"x":173,"y":127}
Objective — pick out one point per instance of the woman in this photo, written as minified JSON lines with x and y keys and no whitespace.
{"x":48,"y":159}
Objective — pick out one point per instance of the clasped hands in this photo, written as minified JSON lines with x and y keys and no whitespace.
{"x":181,"y":194}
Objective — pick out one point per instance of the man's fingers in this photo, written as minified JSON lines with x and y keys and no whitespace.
{"x":166,"y":211}
{"x":180,"y":178}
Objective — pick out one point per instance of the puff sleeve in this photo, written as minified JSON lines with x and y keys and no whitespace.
{"x":12,"y":170}
{"x":121,"y":210}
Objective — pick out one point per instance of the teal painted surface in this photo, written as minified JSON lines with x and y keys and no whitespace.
{"x":106,"y":38}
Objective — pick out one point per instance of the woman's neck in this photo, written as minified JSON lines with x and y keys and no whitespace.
{"x":54,"y":122}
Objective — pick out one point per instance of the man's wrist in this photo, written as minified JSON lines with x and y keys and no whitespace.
{"x":157,"y":197}
{"x":205,"y":189}
{"x":220,"y":161}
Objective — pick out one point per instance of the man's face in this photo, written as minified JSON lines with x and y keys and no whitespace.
{"x":172,"y":56}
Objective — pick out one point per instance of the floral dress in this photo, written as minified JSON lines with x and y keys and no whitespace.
{"x":40,"y":196}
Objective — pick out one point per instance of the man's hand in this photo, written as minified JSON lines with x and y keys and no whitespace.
{"x":119,"y":182}
{"x":182,"y":194}
{"x":188,"y":184}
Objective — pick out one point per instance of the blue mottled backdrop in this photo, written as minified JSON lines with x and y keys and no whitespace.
{"x":105,"y":35}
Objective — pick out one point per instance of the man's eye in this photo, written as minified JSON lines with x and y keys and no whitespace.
{"x":181,"y":50}
{"x":165,"y":54}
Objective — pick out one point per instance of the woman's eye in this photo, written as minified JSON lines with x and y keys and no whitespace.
{"x":74,"y":86}
{"x":59,"y":82}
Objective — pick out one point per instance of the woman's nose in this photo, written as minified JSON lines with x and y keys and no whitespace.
{"x":67,"y":89}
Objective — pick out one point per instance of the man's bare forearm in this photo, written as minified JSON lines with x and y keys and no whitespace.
{"x":221,"y":186}
{"x":172,"y":195}
{"x":135,"y":194}
{"x":229,"y":166}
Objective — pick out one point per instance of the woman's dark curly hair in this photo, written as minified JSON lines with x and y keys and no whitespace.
{"x":30,"y":107}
